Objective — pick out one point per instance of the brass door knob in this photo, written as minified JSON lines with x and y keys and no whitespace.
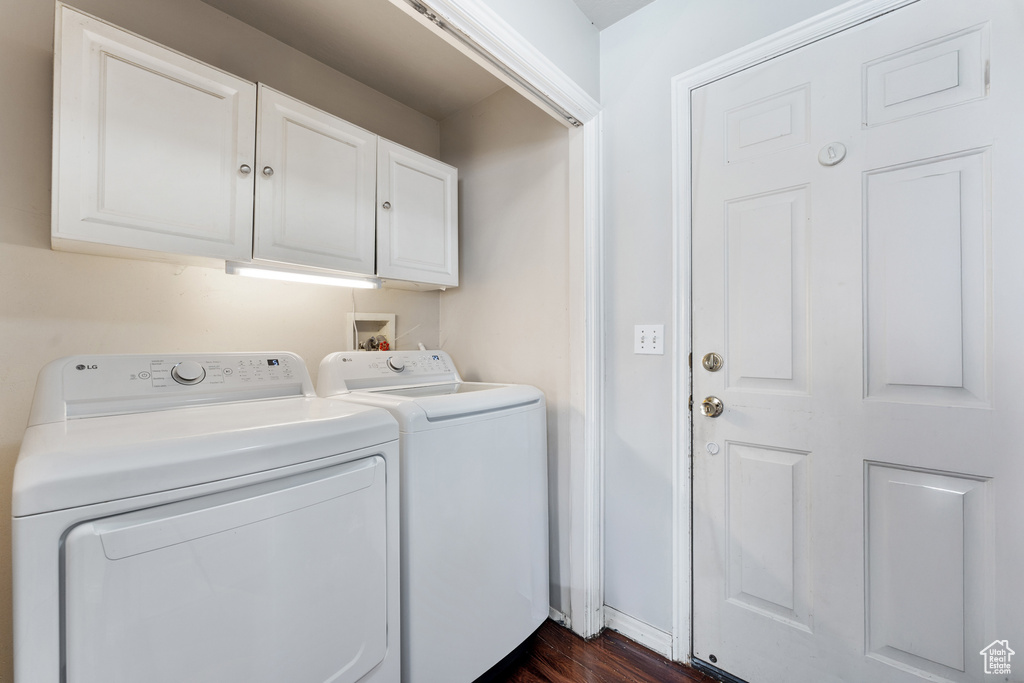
{"x":712,"y":406}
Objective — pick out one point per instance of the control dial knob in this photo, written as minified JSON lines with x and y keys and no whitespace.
{"x":396,"y":364}
{"x":188,"y":372}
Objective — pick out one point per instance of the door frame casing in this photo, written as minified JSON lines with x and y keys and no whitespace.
{"x":821,"y":26}
{"x":477,"y":31}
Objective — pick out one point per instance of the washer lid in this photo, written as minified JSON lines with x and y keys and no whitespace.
{"x":93,"y":460}
{"x":437,"y":403}
{"x":439,"y":389}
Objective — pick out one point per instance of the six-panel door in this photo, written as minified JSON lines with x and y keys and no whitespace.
{"x":856,"y":508}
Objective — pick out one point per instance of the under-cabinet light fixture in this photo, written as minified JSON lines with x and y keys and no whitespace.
{"x":299,"y":275}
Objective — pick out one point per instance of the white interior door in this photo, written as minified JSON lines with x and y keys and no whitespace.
{"x":316,"y":187}
{"x":857,"y":507}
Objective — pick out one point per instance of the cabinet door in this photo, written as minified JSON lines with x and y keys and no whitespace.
{"x":417,"y":217}
{"x":315,"y":187}
{"x":152,"y":149}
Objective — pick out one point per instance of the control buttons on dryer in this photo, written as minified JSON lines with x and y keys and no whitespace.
{"x":396,"y":364}
{"x":188,"y":372}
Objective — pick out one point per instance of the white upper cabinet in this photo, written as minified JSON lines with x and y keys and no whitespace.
{"x":315,"y":187}
{"x":157,"y":155}
{"x":417,"y":217}
{"x":152,"y":150}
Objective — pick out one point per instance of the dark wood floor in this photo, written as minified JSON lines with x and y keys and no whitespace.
{"x":557,"y":655}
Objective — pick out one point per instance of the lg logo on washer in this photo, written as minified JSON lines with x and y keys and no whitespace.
{"x":86,"y":367}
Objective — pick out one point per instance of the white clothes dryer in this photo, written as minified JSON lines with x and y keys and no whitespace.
{"x":203,"y":518}
{"x":474,"y":506}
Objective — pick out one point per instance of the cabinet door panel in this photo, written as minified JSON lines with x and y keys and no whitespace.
{"x":316,"y":207}
{"x":148,"y":146}
{"x":417,"y":217}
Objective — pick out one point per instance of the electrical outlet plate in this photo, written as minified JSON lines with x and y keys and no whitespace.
{"x":649,"y":339}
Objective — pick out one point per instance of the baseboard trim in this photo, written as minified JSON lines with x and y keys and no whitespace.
{"x":651,"y":637}
{"x":557,"y":617}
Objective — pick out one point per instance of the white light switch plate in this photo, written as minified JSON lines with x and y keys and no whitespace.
{"x":649,"y":339}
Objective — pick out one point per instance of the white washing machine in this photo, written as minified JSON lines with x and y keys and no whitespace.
{"x":203,"y":518}
{"x":474,"y":507}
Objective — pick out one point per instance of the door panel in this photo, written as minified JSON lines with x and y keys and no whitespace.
{"x":940,"y":73}
{"x":766,"y":272}
{"x":927,"y":281}
{"x":852,"y":505}
{"x":768,"y":543}
{"x":925,"y":538}
{"x":769,"y":125}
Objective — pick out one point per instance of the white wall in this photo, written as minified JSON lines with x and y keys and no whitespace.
{"x":560,"y":30}
{"x":639,"y":56}
{"x":508,"y":320}
{"x":55,"y":304}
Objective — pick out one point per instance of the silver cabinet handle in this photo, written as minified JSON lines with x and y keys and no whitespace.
{"x":245,"y":169}
{"x":267,"y":171}
{"x":386,"y":205}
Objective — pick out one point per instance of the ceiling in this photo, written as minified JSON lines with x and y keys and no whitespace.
{"x":604,"y":13}
{"x":381,"y":46}
{"x":375,"y":43}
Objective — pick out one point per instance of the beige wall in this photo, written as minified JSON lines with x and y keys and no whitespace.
{"x":54,"y":304}
{"x":508,"y":321}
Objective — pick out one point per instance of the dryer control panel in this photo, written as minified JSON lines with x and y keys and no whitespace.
{"x":351,"y":370}
{"x":91,"y":386}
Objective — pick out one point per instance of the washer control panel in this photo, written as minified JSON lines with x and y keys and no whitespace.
{"x":86,"y":386}
{"x":136,"y":373}
{"x":188,"y":372}
{"x":350,"y":370}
